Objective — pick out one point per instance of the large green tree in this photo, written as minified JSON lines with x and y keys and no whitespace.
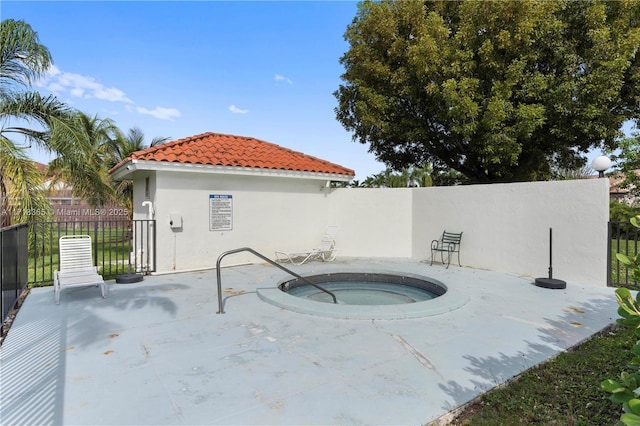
{"x":496,"y":90}
{"x":627,"y":165}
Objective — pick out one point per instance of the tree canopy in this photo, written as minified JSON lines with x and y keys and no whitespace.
{"x":627,"y":165}
{"x":498,"y":91}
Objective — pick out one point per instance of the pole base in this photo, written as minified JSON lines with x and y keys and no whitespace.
{"x":129,"y":278}
{"x":551,"y":283}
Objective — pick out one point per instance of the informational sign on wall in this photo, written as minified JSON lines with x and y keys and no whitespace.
{"x":220,"y":212}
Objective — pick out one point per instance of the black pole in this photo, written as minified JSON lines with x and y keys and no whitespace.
{"x":550,"y":282}
{"x":550,"y":253}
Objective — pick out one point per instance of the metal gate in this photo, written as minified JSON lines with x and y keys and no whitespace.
{"x":624,"y":238}
{"x":119,"y":246}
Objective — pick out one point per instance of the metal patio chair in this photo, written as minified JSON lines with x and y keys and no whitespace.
{"x":448,"y":243}
{"x":325,"y":251}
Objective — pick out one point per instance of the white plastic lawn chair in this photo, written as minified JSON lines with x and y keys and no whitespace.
{"x":76,"y":266}
{"x":326,"y":250}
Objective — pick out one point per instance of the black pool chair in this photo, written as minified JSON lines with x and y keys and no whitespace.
{"x":449,"y":243}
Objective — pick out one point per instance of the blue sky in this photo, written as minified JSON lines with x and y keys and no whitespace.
{"x":261,"y":69}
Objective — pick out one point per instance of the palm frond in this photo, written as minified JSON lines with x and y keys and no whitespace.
{"x":82,"y":144}
{"x":23,"y":58}
{"x":29,"y":109}
{"x":22,"y":195}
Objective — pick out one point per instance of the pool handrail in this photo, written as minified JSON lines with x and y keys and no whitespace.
{"x":266,"y":259}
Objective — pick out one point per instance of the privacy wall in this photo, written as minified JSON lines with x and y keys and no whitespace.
{"x":506,"y":226}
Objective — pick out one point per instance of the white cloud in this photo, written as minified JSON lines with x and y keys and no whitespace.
{"x":160,"y":113}
{"x":281,"y":78}
{"x":86,"y":87}
{"x":80,"y":86}
{"x":234,"y":109}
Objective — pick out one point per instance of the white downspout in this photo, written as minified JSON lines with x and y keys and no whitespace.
{"x":150,"y":215}
{"x":150,"y":211}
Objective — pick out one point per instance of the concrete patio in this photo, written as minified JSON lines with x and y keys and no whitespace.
{"x":156,"y":352}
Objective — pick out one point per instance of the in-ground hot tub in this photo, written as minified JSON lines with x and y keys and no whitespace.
{"x":365,"y":295}
{"x":364,"y":288}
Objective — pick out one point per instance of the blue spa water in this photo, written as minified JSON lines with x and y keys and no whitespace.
{"x":364,"y":293}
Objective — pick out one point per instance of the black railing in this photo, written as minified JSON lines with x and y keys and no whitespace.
{"x":13,"y":266}
{"x":119,"y":246}
{"x":623,"y":238}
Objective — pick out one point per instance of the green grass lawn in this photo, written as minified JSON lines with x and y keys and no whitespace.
{"x":562,"y":391}
{"x":566,"y":389}
{"x":114,"y":246}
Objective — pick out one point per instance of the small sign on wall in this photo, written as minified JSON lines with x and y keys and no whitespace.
{"x":220,"y":212}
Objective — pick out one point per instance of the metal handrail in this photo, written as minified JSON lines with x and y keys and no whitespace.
{"x":266,"y":259}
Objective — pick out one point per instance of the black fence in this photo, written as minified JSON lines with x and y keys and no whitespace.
{"x":623,"y":238}
{"x":13,"y":266}
{"x":119,"y":247}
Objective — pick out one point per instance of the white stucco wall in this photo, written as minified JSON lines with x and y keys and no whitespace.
{"x":373,"y":222}
{"x":268,"y":214}
{"x":506,"y":226}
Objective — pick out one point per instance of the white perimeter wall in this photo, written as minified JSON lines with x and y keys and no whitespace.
{"x":506,"y":226}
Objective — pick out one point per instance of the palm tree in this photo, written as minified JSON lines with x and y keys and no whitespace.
{"x":18,"y":178}
{"x":26,"y":118}
{"x":119,"y":149}
{"x":123,"y":146}
{"x":84,"y":169}
{"x":420,"y":176}
{"x":414,"y":176}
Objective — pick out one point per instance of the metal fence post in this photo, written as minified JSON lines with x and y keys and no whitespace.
{"x":609,"y":260}
{"x":13,"y":266}
{"x":95,"y":243}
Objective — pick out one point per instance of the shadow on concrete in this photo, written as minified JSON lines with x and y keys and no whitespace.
{"x":497,"y":370}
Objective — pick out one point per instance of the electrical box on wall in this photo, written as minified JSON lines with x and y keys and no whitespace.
{"x":175,"y":220}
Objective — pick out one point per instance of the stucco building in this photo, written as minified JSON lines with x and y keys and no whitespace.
{"x":211,"y":193}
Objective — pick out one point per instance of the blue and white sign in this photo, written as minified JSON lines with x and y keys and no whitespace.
{"x":220,"y":212}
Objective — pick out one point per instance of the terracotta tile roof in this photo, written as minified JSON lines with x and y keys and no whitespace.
{"x":41,"y":167}
{"x":236,"y":151}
